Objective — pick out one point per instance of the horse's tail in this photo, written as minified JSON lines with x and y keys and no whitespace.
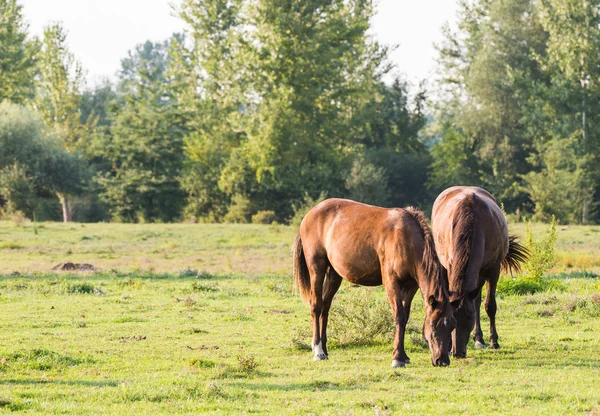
{"x":301,"y":275}
{"x":517,"y":254}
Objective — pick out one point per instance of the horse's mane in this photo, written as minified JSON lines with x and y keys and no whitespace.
{"x":463,"y":227}
{"x":430,"y":262}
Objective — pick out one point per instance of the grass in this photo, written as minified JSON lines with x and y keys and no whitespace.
{"x":215,"y":337}
{"x":150,"y":247}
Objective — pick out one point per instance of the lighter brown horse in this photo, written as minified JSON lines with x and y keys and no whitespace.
{"x":371,"y":246}
{"x":472,"y":242}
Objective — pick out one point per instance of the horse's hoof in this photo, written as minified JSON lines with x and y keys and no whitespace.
{"x":494,"y":346}
{"x":407,"y":361}
{"x":320,"y":357}
{"x":398,"y":363}
{"x":479,"y":345}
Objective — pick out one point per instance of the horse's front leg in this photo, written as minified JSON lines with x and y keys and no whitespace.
{"x":393,"y":292}
{"x":407,"y":294}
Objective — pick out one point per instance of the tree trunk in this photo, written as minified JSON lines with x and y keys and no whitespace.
{"x":66,"y":209}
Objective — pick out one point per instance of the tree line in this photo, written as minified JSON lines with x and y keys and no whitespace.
{"x":261,"y":108}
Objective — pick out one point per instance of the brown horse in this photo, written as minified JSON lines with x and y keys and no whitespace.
{"x":366,"y":245}
{"x":472,"y":242}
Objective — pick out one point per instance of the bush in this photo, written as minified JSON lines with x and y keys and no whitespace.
{"x":362,"y":316}
{"x":263,"y":217}
{"x":17,"y":187}
{"x":541,"y":259}
{"x":239,"y":211}
{"x":367,"y":183}
{"x":302,"y":209}
{"x":542,"y":255}
{"x":526,"y":286}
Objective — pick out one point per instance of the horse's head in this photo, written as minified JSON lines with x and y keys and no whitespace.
{"x":439,"y":323}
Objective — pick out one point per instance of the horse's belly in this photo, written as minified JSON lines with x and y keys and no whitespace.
{"x":367,"y":280}
{"x":366,"y":272}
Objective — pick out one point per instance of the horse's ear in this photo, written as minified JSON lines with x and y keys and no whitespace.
{"x":432,"y":302}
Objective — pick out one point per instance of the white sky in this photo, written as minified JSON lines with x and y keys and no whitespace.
{"x":100,"y":32}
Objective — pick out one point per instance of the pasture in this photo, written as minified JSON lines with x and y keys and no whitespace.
{"x":190,"y":318}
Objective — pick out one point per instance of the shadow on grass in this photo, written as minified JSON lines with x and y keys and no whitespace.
{"x":81,"y":383}
{"x":317,"y":385}
{"x":183,"y":275}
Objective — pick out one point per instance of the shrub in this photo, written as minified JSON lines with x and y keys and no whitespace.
{"x":362,"y":316}
{"x":367,"y":183}
{"x":263,"y":217}
{"x":526,"y":286}
{"x":239,"y":211}
{"x":541,"y":259}
{"x":18,"y":188}
{"x":246,"y":362}
{"x":542,"y":256}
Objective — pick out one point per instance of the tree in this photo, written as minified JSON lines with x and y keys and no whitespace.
{"x":17,"y":54}
{"x":280,"y":86}
{"x":58,"y":95}
{"x":487,"y":70}
{"x":572,"y":98}
{"x":145,"y":145}
{"x":561,"y":187}
{"x":33,"y":162}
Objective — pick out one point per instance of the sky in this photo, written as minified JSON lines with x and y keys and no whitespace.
{"x":101,"y":32}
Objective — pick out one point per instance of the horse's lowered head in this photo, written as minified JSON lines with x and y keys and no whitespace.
{"x":437,"y":329}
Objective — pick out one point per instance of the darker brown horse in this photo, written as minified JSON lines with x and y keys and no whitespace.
{"x":370,"y":246}
{"x":472,"y":242}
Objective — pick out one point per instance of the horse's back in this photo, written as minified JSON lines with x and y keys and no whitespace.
{"x":354,"y":237}
{"x":456,"y":203}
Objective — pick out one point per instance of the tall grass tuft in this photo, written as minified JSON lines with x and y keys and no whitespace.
{"x":541,"y":259}
{"x":361,"y":317}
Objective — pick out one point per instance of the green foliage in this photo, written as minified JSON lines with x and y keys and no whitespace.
{"x":454,"y":162}
{"x":541,"y":259}
{"x":239,"y":211}
{"x":542,"y":255}
{"x":17,"y":54}
{"x":562,"y":188}
{"x":18,"y":189}
{"x":58,"y":88}
{"x":145,"y":144}
{"x":362,"y":317}
{"x":367,"y":183}
{"x":264,"y":217}
{"x":517,"y":85}
{"x":293,"y":130}
{"x":526,"y":286}
{"x":33,"y":163}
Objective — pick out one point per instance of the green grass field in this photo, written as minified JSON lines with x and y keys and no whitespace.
{"x":185,"y":319}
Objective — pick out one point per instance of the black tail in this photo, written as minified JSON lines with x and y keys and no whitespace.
{"x":517,"y":254}
{"x":301,"y":275}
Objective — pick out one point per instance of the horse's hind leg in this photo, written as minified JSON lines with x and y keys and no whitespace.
{"x":317,"y":267}
{"x":477,"y":333}
{"x":490,"y":306}
{"x":330,"y":288}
